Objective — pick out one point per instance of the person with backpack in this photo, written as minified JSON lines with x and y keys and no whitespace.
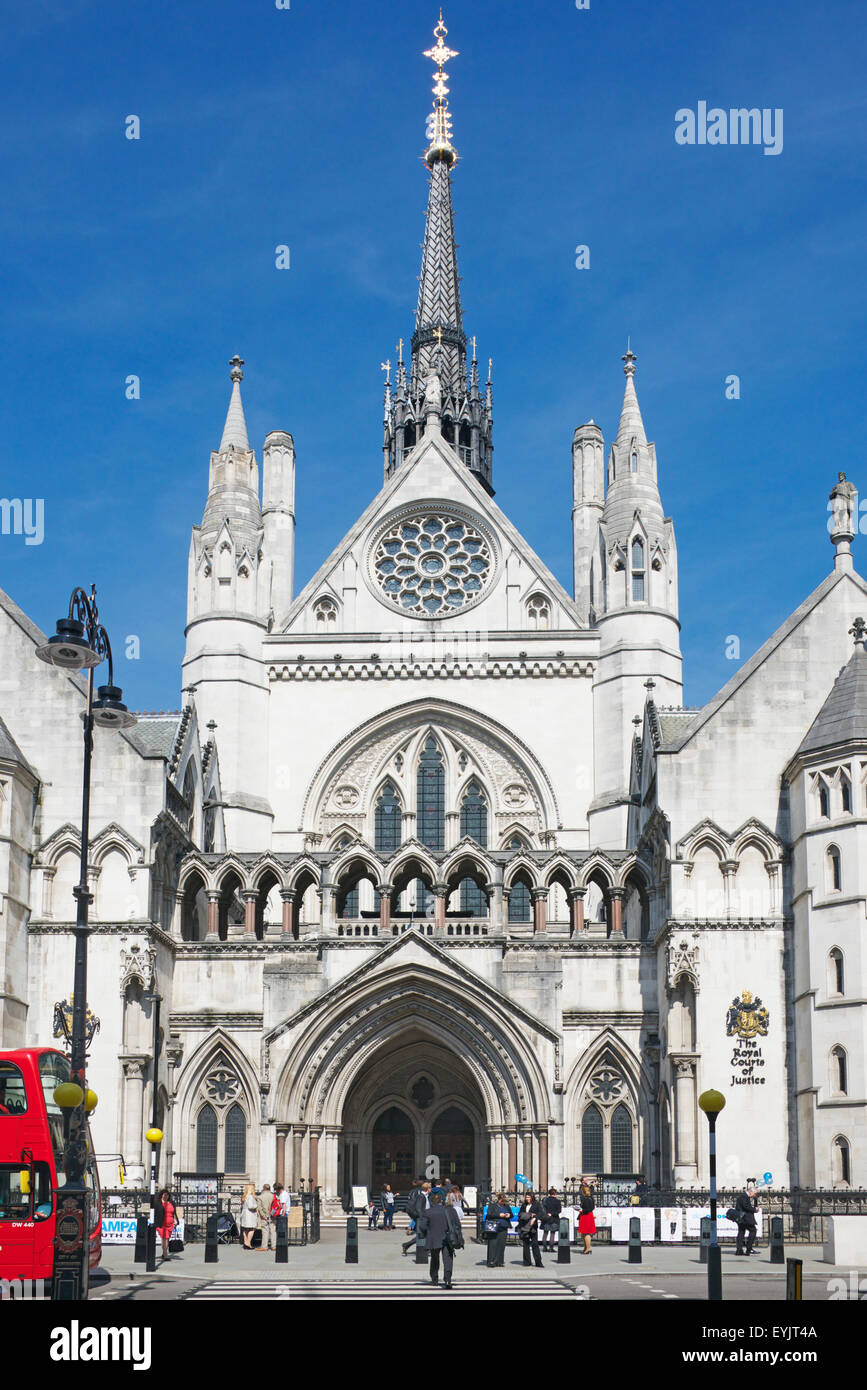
{"x":267,"y":1215}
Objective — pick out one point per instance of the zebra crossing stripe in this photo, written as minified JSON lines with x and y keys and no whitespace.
{"x":479,"y":1290}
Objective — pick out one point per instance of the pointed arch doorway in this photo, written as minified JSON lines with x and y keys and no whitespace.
{"x":414,"y":1099}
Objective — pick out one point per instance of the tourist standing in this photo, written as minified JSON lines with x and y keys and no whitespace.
{"x":266,"y":1217}
{"x":164,"y":1216}
{"x":249,"y":1215}
{"x":498,"y":1218}
{"x":387,"y":1197}
{"x":529,"y":1218}
{"x":586,"y":1222}
{"x":552,"y":1207}
{"x":745,"y":1206}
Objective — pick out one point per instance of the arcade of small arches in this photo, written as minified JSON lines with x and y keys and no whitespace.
{"x":358,"y":890}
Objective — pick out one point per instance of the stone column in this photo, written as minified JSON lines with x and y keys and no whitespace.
{"x":280,"y":1175}
{"x":729,"y":868}
{"x":615,"y":897}
{"x":528,"y":1166}
{"x":511,"y":1158}
{"x":385,"y":892}
{"x":297,"y":1142}
{"x":576,"y":910}
{"x":132,"y":1138}
{"x":773,"y":867}
{"x":441,"y":894}
{"x":288,"y":897}
{"x":685,"y":1160}
{"x":314,"y":1155}
{"x":540,"y":907}
{"x":331,"y":1146}
{"x":328,"y":898}
{"x":213,"y":914}
{"x":178,"y":917}
{"x":496,"y":1142}
{"x":249,"y":896}
{"x":543,"y":1159}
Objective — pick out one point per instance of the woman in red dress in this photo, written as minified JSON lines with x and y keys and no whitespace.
{"x":586,"y":1223}
{"x":165,"y":1218}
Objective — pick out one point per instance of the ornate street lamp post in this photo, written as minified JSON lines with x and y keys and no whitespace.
{"x":80,"y":643}
{"x":712,"y":1102}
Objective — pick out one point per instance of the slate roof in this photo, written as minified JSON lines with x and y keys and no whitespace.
{"x":155,"y":734}
{"x":843,"y":717}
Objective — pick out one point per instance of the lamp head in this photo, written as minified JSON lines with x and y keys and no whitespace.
{"x":109,"y":711}
{"x":69,"y":648}
{"x":712,"y":1102}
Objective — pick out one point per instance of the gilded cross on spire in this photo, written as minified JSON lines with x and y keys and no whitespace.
{"x":439,"y":121}
{"x":399,"y":347}
{"x":386,"y":367}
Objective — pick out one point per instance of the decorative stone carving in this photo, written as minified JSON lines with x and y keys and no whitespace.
{"x":515,"y":794}
{"x":346,"y":796}
{"x":138,"y":963}
{"x":606,"y":1084}
{"x":682,"y":960}
{"x":432,"y":564}
{"x":222,"y":1083}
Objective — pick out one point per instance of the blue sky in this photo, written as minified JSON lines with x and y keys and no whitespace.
{"x":304,"y":127}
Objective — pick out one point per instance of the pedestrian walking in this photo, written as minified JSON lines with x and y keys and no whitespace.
{"x":283,"y":1197}
{"x":552,"y":1207}
{"x":586,"y":1222}
{"x":387,"y":1198}
{"x":249,"y":1215}
{"x":164,"y":1217}
{"x":441,"y":1226}
{"x":498,"y":1218}
{"x":264,"y":1205}
{"x":530,"y":1218}
{"x":454,"y":1198}
{"x":745,"y":1206}
{"x":419,"y":1202}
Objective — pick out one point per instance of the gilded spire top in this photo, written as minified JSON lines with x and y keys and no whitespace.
{"x":439,"y":127}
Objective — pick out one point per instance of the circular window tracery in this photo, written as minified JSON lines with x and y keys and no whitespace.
{"x":432,"y":564}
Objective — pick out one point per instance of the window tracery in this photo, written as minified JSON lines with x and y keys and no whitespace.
{"x":432,"y":564}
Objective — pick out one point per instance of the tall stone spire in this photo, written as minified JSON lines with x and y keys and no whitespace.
{"x":235,"y":428}
{"x":439,"y":344}
{"x":631,"y":424}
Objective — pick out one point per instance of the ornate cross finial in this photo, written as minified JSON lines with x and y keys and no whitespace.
{"x":858,"y":630}
{"x":439,"y":122}
{"x":650,"y":684}
{"x":473,"y":341}
{"x":399,"y":350}
{"x":438,"y":334}
{"x":386,"y":367}
{"x":236,"y":364}
{"x":630,"y":359}
{"x":490,"y":367}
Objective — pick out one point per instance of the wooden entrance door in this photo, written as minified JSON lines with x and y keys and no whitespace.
{"x":453,"y":1140}
{"x":393,"y":1150}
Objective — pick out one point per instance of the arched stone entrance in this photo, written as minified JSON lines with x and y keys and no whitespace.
{"x":414,"y":1099}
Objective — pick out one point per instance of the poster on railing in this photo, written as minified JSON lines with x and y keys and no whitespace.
{"x":360,"y":1199}
{"x":471,"y":1198}
{"x":117,"y":1230}
{"x":671,"y":1224}
{"x":726,"y":1230}
{"x":619,"y":1218}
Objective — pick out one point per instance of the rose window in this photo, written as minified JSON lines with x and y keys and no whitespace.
{"x":432,"y":565}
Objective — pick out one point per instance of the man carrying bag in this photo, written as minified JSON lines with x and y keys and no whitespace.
{"x":441,"y":1227}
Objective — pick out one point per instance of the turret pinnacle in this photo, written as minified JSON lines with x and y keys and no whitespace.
{"x":439,"y":342}
{"x":235,"y":428}
{"x":631,"y":424}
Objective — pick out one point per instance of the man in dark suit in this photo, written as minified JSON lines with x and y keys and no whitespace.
{"x":442,"y":1228}
{"x":745,"y":1206}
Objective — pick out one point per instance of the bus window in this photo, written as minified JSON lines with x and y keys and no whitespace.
{"x":14,"y":1200}
{"x":13,"y":1096}
{"x":53,"y":1068}
{"x":43,"y":1200}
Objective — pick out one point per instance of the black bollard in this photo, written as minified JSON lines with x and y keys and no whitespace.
{"x":794,"y":1272}
{"x":141,"y":1240}
{"x":634,"y":1241}
{"x":281,"y":1243}
{"x":352,"y":1240}
{"x":703,"y":1240}
{"x":151,"y":1261}
{"x":211,"y":1241}
{"x":778,"y":1253}
{"x":564,"y":1250}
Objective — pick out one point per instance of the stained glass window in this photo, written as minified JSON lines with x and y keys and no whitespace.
{"x":388,"y":819}
{"x":236,"y":1140}
{"x":431,"y":797}
{"x":621,"y":1140}
{"x":206,"y":1140}
{"x":474,"y":823}
{"x":432,"y":565}
{"x":591,"y":1140}
{"x":519,"y":901}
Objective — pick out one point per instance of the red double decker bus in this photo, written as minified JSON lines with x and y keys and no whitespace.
{"x":31,"y":1164}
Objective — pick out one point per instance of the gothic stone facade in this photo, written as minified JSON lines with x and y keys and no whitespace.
{"x":433,"y":860}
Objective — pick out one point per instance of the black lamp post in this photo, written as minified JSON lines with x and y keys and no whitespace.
{"x":712,"y":1102}
{"x":154,"y":1137}
{"x":80,"y":643}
